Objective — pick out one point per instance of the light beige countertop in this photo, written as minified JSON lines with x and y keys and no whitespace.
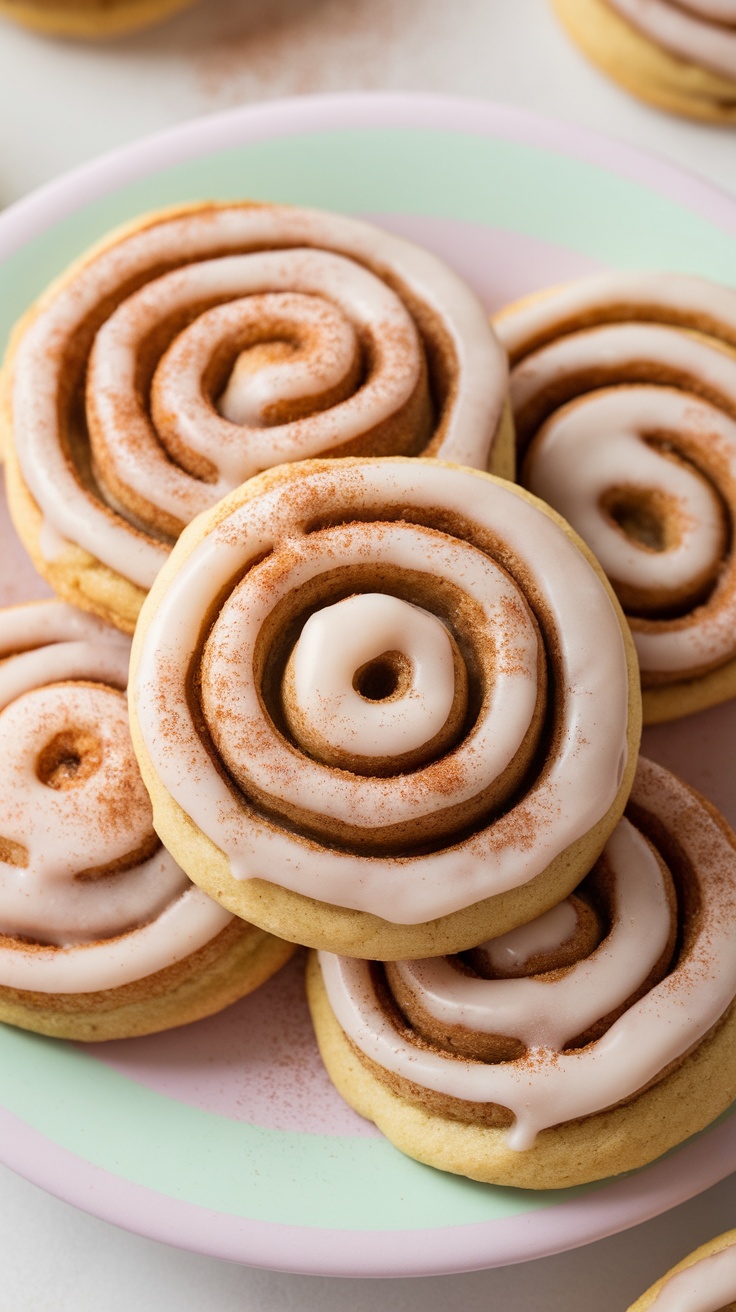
{"x":63,"y":103}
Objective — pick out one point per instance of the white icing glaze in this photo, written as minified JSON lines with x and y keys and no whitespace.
{"x":698,"y":31}
{"x":549,"y":1014}
{"x":705,"y":1286}
{"x":67,"y":831}
{"x":247,"y":396}
{"x":605,"y":442}
{"x":337,"y":641}
{"x":101,"y":931}
{"x":467,"y":426}
{"x":236,"y":715}
{"x":603,"y":439}
{"x":548,"y":931}
{"x":548,"y":1087}
{"x":584,"y":770}
{"x":674,"y":298}
{"x":239,"y":449}
{"x":50,"y":543}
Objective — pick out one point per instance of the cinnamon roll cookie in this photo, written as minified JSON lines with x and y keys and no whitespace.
{"x":384,"y":706}
{"x":198,"y":347}
{"x":584,"y":1044}
{"x":89,"y":19}
{"x":624,"y":395}
{"x":101,"y":933}
{"x":705,"y":1281}
{"x":677,"y":54}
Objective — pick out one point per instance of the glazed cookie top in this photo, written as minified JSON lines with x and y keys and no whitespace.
{"x":643,"y":981}
{"x":624,"y":393}
{"x":699,"y":31}
{"x":80,"y":865}
{"x":197,"y":348}
{"x":414,"y":684}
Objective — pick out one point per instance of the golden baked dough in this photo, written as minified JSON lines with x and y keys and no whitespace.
{"x":363,"y":572}
{"x":565,"y":1072}
{"x":198,"y":346}
{"x":646,"y":68}
{"x":703,"y":1272}
{"x":90,"y":19}
{"x":101,"y":934}
{"x":624,"y":394}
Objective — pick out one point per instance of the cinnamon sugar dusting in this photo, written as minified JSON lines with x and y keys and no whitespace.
{"x":595,"y":1034}
{"x":293,"y":774}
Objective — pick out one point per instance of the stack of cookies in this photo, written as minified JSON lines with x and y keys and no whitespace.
{"x":384,"y":702}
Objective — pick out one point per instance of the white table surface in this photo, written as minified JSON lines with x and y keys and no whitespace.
{"x":61,"y":104}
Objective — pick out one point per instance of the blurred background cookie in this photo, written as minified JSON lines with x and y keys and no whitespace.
{"x":680,"y":56}
{"x":704,"y":1280}
{"x":89,"y":19}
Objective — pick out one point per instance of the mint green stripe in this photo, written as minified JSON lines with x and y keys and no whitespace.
{"x":69,"y":1097}
{"x":503,"y":184}
{"x":324,"y":1181}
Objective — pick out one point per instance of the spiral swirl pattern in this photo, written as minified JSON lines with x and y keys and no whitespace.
{"x":624,"y":393}
{"x":200,"y":348}
{"x":413,"y":685}
{"x":80,"y":865}
{"x":565,"y":1038}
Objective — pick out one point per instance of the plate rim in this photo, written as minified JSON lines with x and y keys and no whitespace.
{"x":47,"y":205}
{"x":388,"y":1254}
{"x":469,"y":1246}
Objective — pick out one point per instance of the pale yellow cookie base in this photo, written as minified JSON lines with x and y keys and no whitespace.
{"x":677,"y":700}
{"x":604,"y":1144}
{"x":91,"y":20}
{"x":74,"y":573}
{"x":726,"y":1240}
{"x":233,"y":964}
{"x":316,"y":924}
{"x":644,"y":68}
{"x":672,"y":701}
{"x":502,"y":460}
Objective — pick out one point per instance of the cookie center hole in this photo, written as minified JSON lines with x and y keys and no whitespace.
{"x":642,"y":516}
{"x":70,"y":758}
{"x":385,"y":678}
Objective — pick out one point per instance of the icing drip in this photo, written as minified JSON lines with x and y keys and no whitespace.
{"x":631,"y":435}
{"x":305,"y":342}
{"x":706,"y":1286}
{"x":698,"y":31}
{"x":293,"y":559}
{"x":550,"y":1085}
{"x":79,"y":861}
